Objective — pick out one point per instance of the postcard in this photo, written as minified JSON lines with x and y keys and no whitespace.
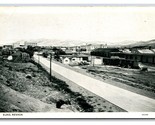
{"x":77,"y":61}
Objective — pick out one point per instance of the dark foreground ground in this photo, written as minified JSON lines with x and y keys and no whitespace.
{"x":25,"y":87}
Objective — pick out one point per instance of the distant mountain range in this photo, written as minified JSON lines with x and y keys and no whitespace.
{"x":56,"y":42}
{"x":150,"y":43}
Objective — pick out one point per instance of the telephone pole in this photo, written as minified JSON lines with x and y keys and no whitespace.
{"x":38,"y":61}
{"x":50,"y":67}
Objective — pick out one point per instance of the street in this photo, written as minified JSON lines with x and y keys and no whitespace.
{"x":126,"y":100}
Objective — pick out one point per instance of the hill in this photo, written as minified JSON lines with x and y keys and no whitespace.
{"x":149,"y":43}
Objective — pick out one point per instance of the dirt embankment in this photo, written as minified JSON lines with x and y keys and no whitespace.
{"x":20,"y":93}
{"x":25,"y":87}
{"x":12,"y":100}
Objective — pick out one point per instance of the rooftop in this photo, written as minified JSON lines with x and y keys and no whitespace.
{"x":126,"y":51}
{"x":145,"y":51}
{"x":81,"y":55}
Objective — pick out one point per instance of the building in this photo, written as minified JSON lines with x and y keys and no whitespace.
{"x":85,"y":49}
{"x":73,"y":59}
{"x":73,"y":49}
{"x":136,"y":55}
{"x":19,"y":44}
{"x":90,"y":47}
{"x":69,"y":52}
{"x":63,"y":48}
{"x":104,"y":52}
{"x":33,"y":44}
{"x":96,"y":60}
{"x":7,"y":47}
{"x":16,"y":44}
{"x":24,"y":44}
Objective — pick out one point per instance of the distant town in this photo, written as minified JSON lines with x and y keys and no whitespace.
{"x":95,"y":54}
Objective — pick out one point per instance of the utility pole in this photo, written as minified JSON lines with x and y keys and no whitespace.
{"x":38,"y":61}
{"x":50,"y":67}
{"x":93,"y":61}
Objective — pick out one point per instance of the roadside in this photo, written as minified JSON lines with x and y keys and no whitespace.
{"x":25,"y":87}
{"x":133,"y":80}
{"x":22,"y":89}
{"x":99,"y":104}
{"x":76,"y":92}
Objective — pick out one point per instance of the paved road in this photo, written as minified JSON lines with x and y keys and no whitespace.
{"x":127,"y":100}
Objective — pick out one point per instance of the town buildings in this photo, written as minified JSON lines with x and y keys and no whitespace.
{"x":86,"y":49}
{"x":7,"y":47}
{"x":33,"y":44}
{"x":74,"y":59}
{"x":128,"y":57}
{"x":138,"y":55}
{"x":24,"y":44}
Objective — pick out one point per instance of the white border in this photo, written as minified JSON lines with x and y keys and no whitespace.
{"x":67,"y":2}
{"x":78,"y":3}
{"x":143,"y":115}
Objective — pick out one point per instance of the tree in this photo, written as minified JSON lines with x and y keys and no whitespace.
{"x":30,"y":51}
{"x":6,"y":52}
{"x":57,"y":53}
{"x":45,"y":54}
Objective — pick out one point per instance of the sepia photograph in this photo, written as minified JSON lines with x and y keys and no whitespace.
{"x":77,"y":62}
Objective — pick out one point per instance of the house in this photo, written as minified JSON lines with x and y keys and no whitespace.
{"x":89,"y":47}
{"x":72,"y":49}
{"x":7,"y":47}
{"x":145,"y":56}
{"x":19,"y":44}
{"x":63,"y":48}
{"x":84,"y":48}
{"x":33,"y":44}
{"x":24,"y":44}
{"x":16,"y":44}
{"x":96,"y":60}
{"x":66,"y":60}
{"x":69,"y":52}
{"x":137,"y":55}
{"x":73,"y":59}
{"x":104,"y":52}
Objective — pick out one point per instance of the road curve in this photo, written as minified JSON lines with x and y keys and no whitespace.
{"x":125,"y":99}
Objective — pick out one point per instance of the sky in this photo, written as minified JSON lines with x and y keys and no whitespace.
{"x":111,"y":25}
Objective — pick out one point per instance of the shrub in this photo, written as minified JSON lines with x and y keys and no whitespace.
{"x":84,"y":105}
